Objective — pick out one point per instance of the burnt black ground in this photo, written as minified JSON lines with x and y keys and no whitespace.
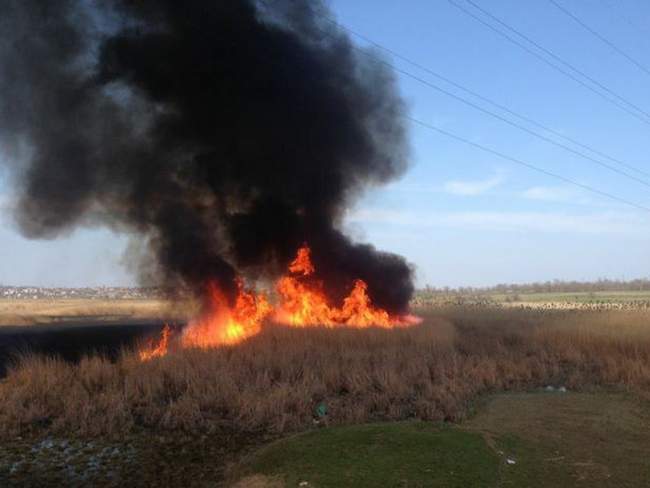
{"x":73,"y":340}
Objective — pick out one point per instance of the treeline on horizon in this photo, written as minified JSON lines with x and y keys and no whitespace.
{"x":555,"y":286}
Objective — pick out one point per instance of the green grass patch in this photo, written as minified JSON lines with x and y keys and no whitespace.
{"x":565,"y":440}
{"x":536,"y":465}
{"x":533,"y":440}
{"x":404,"y":454}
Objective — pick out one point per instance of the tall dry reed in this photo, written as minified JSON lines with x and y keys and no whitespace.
{"x":274,"y":381}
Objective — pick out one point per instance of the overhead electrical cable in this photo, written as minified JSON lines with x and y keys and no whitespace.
{"x":526,"y":164}
{"x":500,"y":117}
{"x":489,"y":150}
{"x":625,"y":18}
{"x":615,"y":99}
{"x":521,"y":127}
{"x":485,"y":99}
{"x":600,"y":37}
{"x":558,"y":58}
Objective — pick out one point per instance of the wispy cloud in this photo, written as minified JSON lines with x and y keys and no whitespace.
{"x":472,"y":187}
{"x":554,"y":194}
{"x":551,"y":222}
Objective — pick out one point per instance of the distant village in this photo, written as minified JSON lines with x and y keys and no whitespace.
{"x":97,"y":293}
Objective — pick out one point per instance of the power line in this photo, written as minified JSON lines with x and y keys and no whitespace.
{"x":645,"y":117}
{"x":493,"y":151}
{"x":625,"y":18}
{"x":597,"y":35}
{"x":520,"y":127}
{"x":526,"y":164}
{"x":559,"y":59}
{"x":501,"y":118}
{"x":483,"y":98}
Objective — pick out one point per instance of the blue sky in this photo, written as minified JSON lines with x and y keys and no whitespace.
{"x":462,"y":216}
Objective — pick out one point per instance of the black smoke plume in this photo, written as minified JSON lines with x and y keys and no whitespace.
{"x":223,"y":133}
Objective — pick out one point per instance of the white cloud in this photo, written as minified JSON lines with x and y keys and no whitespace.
{"x":554,"y":194}
{"x":377,"y":216}
{"x":554,"y":222}
{"x":472,"y":187}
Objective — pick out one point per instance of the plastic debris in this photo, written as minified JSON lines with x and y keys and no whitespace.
{"x":321,"y":410}
{"x":559,"y":389}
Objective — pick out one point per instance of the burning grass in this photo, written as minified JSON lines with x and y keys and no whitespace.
{"x":301,"y":302}
{"x":276,"y":380}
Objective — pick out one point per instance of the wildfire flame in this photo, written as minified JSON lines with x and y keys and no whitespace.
{"x":302,"y":302}
{"x":157,"y":350}
{"x":225,"y":325}
{"x":302,"y":264}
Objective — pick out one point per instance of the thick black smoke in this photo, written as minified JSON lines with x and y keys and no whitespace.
{"x":225,"y":133}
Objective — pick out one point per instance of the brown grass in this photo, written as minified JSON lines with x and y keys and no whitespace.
{"x":259,"y":481}
{"x":47,"y":311}
{"x":273,"y":382}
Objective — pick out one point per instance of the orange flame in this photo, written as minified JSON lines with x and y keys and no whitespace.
{"x":302,"y":302}
{"x":302,"y":263}
{"x":157,"y":350}
{"x":225,"y":325}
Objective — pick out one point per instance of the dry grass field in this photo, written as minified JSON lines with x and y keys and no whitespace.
{"x":586,"y":301}
{"x":287,"y":380}
{"x":44,"y":311}
{"x":274,"y":382}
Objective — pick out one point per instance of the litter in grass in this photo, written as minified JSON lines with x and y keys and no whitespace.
{"x":559,"y":389}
